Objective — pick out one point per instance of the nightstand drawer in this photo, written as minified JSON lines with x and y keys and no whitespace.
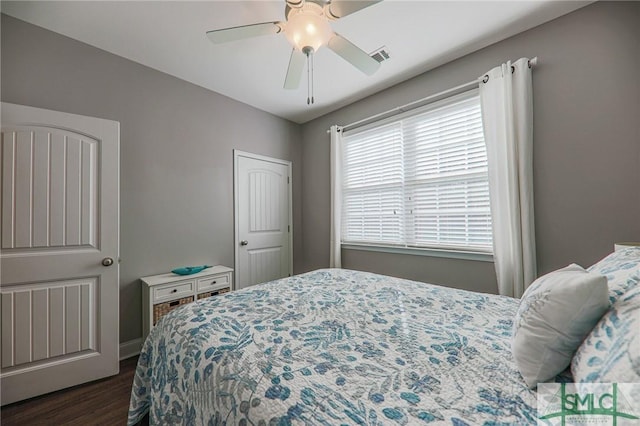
{"x":173,"y":291}
{"x":213,"y":282}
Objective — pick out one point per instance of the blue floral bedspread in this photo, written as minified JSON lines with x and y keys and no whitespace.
{"x":334,"y":347}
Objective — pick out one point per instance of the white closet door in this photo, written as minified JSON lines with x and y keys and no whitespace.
{"x":263,"y":224}
{"x":59,"y":217}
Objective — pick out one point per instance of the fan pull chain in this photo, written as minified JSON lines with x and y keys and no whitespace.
{"x":312,"y":100}
{"x":308,"y":79}
{"x":309,"y":52}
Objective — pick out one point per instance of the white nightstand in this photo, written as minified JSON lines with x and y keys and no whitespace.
{"x":165,"y":292}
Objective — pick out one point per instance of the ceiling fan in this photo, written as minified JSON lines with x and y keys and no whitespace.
{"x":307,"y":28}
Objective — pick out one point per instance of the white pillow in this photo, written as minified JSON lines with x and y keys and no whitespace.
{"x":555,"y":314}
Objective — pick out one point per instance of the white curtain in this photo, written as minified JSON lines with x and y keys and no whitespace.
{"x":335,"y":255}
{"x":507,"y":115}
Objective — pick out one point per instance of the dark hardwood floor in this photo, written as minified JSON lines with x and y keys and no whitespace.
{"x":103,"y":402}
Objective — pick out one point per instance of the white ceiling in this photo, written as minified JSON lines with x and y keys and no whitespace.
{"x":170,"y":36}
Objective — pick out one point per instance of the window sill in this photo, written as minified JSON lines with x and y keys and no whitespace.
{"x":451,"y":254}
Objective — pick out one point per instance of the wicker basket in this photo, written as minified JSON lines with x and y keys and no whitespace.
{"x":162,"y":309}
{"x":213,"y":293}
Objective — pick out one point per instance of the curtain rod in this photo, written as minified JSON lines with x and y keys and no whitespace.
{"x":415,"y":104}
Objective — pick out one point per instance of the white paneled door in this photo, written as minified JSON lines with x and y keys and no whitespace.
{"x":59,"y":250}
{"x":263,"y":219}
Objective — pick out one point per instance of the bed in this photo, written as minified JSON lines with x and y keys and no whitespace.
{"x":335,"y":346}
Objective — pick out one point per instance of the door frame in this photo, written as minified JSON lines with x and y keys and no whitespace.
{"x":236,"y":225}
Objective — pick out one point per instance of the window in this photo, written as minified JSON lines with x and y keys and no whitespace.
{"x":419,"y":180}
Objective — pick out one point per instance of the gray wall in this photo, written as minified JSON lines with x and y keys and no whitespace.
{"x":586,"y":145}
{"x":176,"y":142}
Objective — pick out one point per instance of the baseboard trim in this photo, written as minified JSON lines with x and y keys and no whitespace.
{"x":131,"y":348}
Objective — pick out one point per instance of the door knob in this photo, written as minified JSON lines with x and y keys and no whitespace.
{"x":244,"y":242}
{"x":107,"y":261}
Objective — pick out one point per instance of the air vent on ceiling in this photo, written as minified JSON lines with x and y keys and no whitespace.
{"x":381,"y":54}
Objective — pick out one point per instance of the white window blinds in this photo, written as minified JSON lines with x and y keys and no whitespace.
{"x":419,"y":180}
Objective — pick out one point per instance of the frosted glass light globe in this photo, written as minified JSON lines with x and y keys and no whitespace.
{"x":307,"y":27}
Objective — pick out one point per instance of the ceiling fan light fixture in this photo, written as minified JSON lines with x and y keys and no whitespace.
{"x":307,"y":27}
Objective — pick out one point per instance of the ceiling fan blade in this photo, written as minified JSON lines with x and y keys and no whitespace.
{"x":353,"y":54}
{"x":245,"y":31}
{"x":340,"y":8}
{"x":294,"y":72}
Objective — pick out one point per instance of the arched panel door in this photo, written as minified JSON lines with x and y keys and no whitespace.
{"x":263,"y":219}
{"x":59,"y":250}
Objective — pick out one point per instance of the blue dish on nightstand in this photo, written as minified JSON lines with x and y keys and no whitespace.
{"x":188,"y":270}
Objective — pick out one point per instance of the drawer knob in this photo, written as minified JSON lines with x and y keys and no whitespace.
{"x":213,"y":282}
{"x":175,"y":290}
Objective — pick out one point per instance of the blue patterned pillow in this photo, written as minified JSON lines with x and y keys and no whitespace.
{"x":611,"y":352}
{"x":622,"y":269}
{"x":555,"y":314}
